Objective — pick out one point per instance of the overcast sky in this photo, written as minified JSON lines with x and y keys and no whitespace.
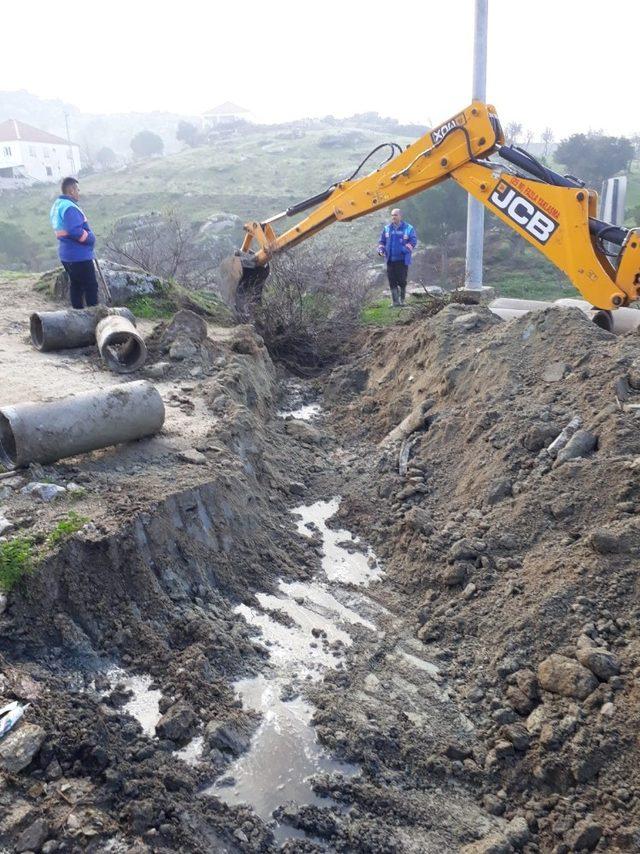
{"x":568,"y":64}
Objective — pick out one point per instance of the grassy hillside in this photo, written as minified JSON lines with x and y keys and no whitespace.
{"x":252,"y":174}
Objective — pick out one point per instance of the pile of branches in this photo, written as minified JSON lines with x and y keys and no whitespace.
{"x":311,"y":306}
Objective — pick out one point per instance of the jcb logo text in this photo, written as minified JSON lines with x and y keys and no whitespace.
{"x":523,"y":212}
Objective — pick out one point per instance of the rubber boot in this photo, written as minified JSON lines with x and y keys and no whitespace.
{"x":395,"y":295}
{"x":403,"y":290}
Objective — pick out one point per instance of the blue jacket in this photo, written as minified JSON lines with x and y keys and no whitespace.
{"x":394,"y":240}
{"x":75,"y":238}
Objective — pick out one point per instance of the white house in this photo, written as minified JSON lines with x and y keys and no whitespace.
{"x":224,"y":114}
{"x":29,"y":155}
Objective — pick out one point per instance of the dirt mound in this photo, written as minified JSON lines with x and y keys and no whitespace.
{"x":514,"y":552}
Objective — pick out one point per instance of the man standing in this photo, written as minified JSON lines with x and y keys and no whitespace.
{"x":396,"y":244}
{"x":75,"y":245}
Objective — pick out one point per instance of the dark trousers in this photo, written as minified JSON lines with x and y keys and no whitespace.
{"x":84,"y":285}
{"x":397,"y":274}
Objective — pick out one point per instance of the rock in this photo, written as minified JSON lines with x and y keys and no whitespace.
{"x":419,"y":520}
{"x":565,"y":676}
{"x":607,"y":541}
{"x":303,"y":431}
{"x":586,"y":834}
{"x":517,"y":832}
{"x":495,"y":843}
{"x":580,"y":444}
{"x":182,"y":348}
{"x":125,"y":283}
{"x":5,"y":525}
{"x":493,"y":805}
{"x":523,"y":695}
{"x":554,"y":372}
{"x":195,"y":458}
{"x":499,"y":491}
{"x":184,"y":324}
{"x":536,"y":720}
{"x":34,"y":837}
{"x":177,"y":723}
{"x":518,"y":735}
{"x":44,"y":491}
{"x":457,"y":751}
{"x":466,"y":549}
{"x":601,"y":662}
{"x":3,"y":603}
{"x":540,"y":436}
{"x":297,"y":488}
{"x":227,"y":736}
{"x":467,"y":321}
{"x":608,"y":710}
{"x":469,"y":591}
{"x":158,"y":371}
{"x":456,"y":574}
{"x":19,"y":746}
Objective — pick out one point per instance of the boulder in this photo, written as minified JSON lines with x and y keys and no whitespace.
{"x":124,"y":283}
{"x":560,"y":675}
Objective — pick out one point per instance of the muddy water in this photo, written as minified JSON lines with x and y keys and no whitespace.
{"x":311,"y":636}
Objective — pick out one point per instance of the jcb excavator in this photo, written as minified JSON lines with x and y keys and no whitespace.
{"x":555,"y":213}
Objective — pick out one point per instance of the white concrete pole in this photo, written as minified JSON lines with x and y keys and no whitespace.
{"x":475,"y":209}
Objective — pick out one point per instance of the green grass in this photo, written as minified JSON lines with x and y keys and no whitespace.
{"x":18,"y":556}
{"x":382,"y":313}
{"x":16,"y":560}
{"x":152,"y":308}
{"x":65,"y":528}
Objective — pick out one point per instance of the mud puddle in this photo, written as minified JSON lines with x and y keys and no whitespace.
{"x":306,"y":627}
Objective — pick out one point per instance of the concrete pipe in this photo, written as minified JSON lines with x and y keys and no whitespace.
{"x":72,"y":327}
{"x":519,"y":304}
{"x":508,"y":313}
{"x":120,"y":345}
{"x":50,"y":431}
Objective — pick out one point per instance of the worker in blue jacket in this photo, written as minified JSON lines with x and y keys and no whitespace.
{"x":75,"y":244}
{"x":396,"y":244}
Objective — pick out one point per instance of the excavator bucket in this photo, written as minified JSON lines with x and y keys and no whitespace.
{"x":241,"y":281}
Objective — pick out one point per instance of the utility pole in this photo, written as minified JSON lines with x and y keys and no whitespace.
{"x":475,"y":209}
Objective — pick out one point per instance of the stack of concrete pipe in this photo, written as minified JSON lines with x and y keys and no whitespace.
{"x":619,"y":321}
{"x":50,"y":431}
{"x":113,"y":329}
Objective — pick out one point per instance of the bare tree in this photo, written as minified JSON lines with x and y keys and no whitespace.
{"x":163,"y":246}
{"x":311,"y":306}
{"x":547,"y":140}
{"x":512,"y":132}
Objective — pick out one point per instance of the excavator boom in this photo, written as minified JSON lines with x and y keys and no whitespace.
{"x":556,"y":214}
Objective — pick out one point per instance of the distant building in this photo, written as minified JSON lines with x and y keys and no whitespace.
{"x":29,"y":155}
{"x":224,"y":114}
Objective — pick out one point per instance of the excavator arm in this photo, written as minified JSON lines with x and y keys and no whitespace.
{"x":556,"y":214}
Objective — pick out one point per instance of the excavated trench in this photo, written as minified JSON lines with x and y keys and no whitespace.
{"x":196,"y":662}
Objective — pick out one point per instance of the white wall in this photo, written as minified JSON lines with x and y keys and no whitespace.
{"x":41,"y":161}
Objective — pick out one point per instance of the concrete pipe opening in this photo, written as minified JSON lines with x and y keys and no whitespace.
{"x":8,"y":454}
{"x":37,"y":332}
{"x":120,"y":345}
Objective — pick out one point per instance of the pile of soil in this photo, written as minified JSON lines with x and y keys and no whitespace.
{"x":521,"y":566}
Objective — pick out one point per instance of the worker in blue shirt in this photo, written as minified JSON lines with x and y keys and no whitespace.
{"x":396,"y":244}
{"x":75,"y":244}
